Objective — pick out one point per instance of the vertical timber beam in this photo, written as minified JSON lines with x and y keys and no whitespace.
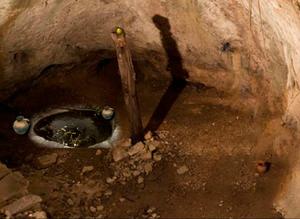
{"x":128,"y":78}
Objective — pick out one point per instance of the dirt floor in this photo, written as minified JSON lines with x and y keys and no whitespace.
{"x":208,"y":165}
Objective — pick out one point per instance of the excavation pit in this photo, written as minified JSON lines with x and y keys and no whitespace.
{"x":73,"y":128}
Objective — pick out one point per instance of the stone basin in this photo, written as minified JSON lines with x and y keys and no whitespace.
{"x":73,"y":128}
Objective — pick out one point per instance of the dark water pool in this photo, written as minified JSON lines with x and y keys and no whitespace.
{"x":75,"y":128}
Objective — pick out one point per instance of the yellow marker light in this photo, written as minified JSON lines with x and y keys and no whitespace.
{"x":119,"y":31}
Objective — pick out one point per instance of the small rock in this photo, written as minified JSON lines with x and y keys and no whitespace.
{"x":100,"y":208}
{"x":148,"y":135}
{"x":148,"y":168}
{"x":151,"y":210}
{"x":46,"y":161}
{"x":146,"y":156}
{"x":21,"y":205}
{"x":108,"y":193}
{"x":182,"y":170}
{"x":93,"y":209}
{"x":122,"y":199}
{"x":86,"y":169}
{"x":140,"y":180}
{"x":39,"y":215}
{"x":136,"y":173}
{"x":221,"y":203}
{"x":137,"y":148}
{"x":154,"y":216}
{"x":98,"y":152}
{"x":126,"y":172}
{"x":153,"y":145}
{"x":126,"y":143}
{"x":110,"y":180}
{"x":157,"y":157}
{"x":70,"y":202}
{"x":119,"y":153}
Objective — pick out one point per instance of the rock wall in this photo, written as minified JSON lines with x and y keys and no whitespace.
{"x":248,"y":49}
{"x":244,"y":48}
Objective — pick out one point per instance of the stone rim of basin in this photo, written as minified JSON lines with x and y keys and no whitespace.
{"x":42,"y":142}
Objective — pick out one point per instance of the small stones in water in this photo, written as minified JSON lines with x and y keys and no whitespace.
{"x":74,"y":128}
{"x":87,"y":169}
{"x":46,"y":161}
{"x":182,"y":170}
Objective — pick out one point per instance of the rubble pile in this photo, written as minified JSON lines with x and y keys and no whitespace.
{"x":133,"y":162}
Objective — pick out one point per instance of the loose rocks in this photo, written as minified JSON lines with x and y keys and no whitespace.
{"x":21,"y":205}
{"x":46,"y":161}
{"x":98,"y":152}
{"x":87,"y":169}
{"x":182,"y":170}
{"x":137,"y":148}
{"x":148,"y":135}
{"x":135,"y":161}
{"x":39,"y":215}
{"x":119,"y":153}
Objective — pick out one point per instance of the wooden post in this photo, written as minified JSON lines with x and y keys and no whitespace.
{"x":128,"y":77}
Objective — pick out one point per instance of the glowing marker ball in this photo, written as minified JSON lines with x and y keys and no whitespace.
{"x":108,"y":113}
{"x":119,"y":31}
{"x":21,"y":125}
